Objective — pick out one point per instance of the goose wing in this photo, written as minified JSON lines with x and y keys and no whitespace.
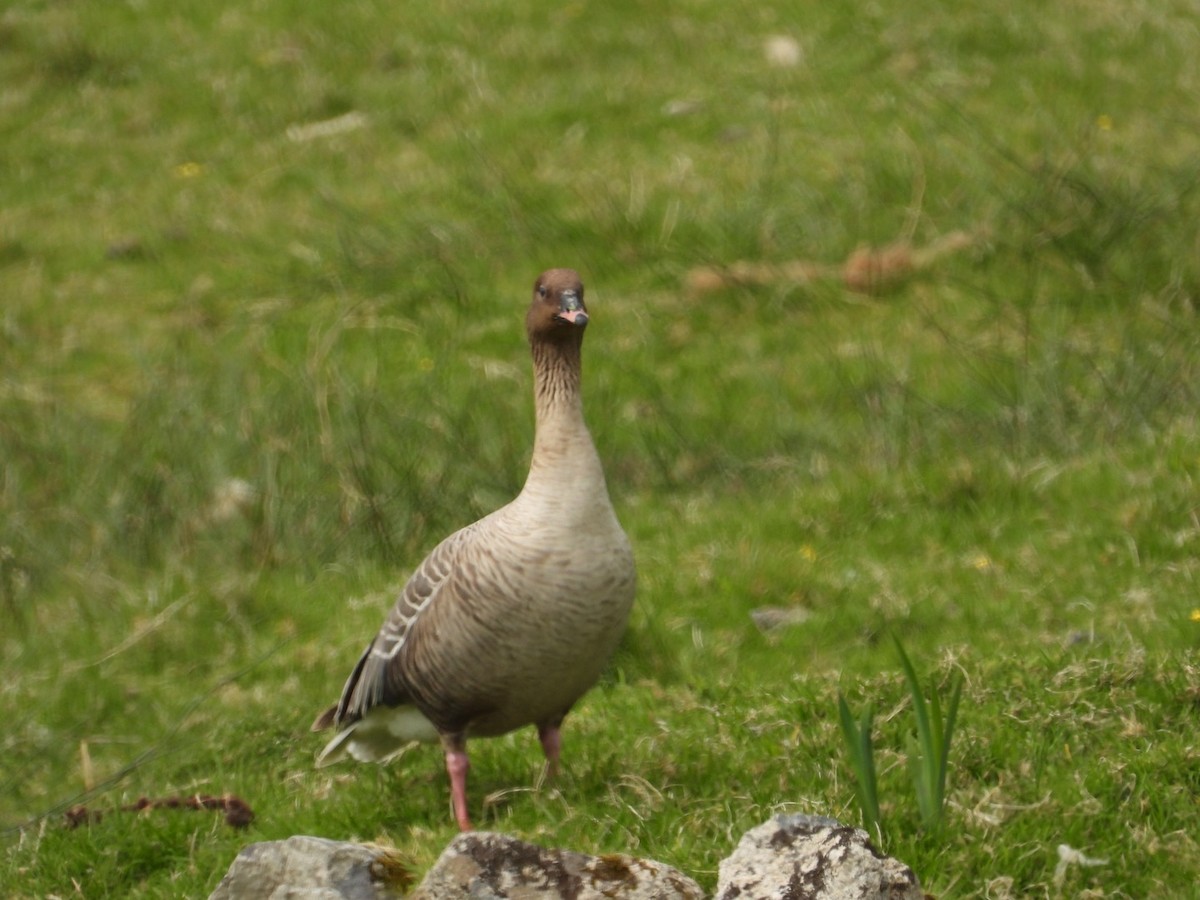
{"x":377,"y":678}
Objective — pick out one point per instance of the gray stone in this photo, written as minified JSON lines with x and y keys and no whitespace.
{"x":772,"y":618}
{"x":489,"y":866}
{"x":312,"y":868}
{"x":787,"y":858}
{"x":812,"y":858}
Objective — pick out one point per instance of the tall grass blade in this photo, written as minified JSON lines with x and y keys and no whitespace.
{"x":862,"y":761}
{"x":929,"y":752}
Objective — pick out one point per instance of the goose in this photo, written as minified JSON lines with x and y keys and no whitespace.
{"x":510,"y":620}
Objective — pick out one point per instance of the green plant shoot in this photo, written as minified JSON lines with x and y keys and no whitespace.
{"x":929,"y":751}
{"x":862,"y":762}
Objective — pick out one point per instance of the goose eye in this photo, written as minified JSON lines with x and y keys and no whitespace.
{"x":542,"y":291}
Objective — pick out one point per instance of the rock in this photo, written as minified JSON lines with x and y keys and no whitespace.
{"x":489,"y":866}
{"x":812,"y":858}
{"x":787,"y":858}
{"x":312,"y":868}
{"x":771,"y":618}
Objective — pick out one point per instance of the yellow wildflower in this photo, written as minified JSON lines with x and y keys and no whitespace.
{"x":189,"y":170}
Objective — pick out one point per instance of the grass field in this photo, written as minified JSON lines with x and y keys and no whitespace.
{"x":262,"y":274}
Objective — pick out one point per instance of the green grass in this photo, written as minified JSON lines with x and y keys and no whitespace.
{"x":997,"y":463}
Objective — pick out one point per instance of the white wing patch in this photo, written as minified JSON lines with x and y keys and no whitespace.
{"x":383,"y":734}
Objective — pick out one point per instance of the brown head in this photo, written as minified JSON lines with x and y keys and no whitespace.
{"x":557,"y":313}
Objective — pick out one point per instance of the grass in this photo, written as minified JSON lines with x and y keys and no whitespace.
{"x":927,"y":751}
{"x":860,"y":753}
{"x":997,"y":462}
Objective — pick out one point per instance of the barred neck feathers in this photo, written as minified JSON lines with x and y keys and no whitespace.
{"x":563,"y":453}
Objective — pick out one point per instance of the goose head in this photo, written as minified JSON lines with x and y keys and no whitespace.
{"x":557,"y":313}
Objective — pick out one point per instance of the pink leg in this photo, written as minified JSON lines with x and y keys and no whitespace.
{"x":551,"y":740}
{"x":458,"y":765}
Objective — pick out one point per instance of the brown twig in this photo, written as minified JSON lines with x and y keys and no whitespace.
{"x":868,"y":270}
{"x":238,"y":813}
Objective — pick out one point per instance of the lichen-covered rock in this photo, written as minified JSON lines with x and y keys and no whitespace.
{"x":812,"y":858}
{"x":488,"y":866}
{"x":312,"y":868}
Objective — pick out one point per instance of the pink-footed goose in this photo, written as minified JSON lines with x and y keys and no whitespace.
{"x":509,"y":621}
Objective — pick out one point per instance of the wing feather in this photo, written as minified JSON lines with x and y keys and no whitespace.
{"x":377,"y":678}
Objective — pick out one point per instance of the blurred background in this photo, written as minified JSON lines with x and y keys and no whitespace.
{"x":893,"y":332}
